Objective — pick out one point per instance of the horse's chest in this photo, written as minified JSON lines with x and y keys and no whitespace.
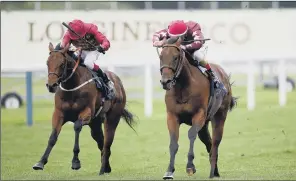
{"x":74,"y":102}
{"x":191,"y":105}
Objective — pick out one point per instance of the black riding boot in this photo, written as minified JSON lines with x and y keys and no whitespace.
{"x":102,"y":75}
{"x":108,"y":82}
{"x":217,"y":82}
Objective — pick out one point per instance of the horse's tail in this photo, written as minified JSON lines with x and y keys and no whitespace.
{"x":233,"y":101}
{"x":129,"y":118}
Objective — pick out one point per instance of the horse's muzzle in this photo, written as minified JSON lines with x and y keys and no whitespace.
{"x":167,"y":84}
{"x":52,"y":88}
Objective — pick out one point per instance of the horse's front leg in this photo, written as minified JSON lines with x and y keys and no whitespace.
{"x":83,"y":118}
{"x":198,"y":121}
{"x":57,"y":122}
{"x":173,"y":127}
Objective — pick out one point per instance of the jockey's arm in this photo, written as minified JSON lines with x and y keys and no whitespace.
{"x":100,"y":37}
{"x":197,"y":35}
{"x":159,"y":35}
{"x":66,"y":39}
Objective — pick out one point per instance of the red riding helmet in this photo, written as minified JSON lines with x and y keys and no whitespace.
{"x":177,"y":28}
{"x":78,"y":27}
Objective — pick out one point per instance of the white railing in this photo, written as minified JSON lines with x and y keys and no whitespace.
{"x":250,"y":70}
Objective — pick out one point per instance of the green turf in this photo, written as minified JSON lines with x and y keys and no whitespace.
{"x":259,"y":144}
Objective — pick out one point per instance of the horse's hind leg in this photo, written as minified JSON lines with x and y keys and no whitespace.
{"x":205,"y":137}
{"x":110,"y":125}
{"x":57,"y":123}
{"x":84,"y":116}
{"x":97,"y":133}
{"x":217,"y":128}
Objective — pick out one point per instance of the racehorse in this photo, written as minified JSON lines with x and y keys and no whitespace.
{"x":192,"y":99}
{"x":78,"y":99}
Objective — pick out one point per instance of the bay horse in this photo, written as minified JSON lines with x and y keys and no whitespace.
{"x":77,"y":99}
{"x":192,"y":99}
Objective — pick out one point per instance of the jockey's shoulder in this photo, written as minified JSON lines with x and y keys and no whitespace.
{"x":165,"y":30}
{"x":193,"y":24}
{"x":89,"y":26}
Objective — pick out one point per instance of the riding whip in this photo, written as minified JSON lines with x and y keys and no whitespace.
{"x":191,"y":41}
{"x":69,"y":28}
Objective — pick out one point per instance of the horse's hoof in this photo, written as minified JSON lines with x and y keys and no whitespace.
{"x":168,"y":176}
{"x":214,"y":175}
{"x":101,"y":173}
{"x":38,"y":166}
{"x":76,"y":165}
{"x":108,"y":169}
{"x":190,"y":171}
{"x":216,"y":172}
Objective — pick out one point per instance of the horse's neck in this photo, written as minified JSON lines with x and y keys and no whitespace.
{"x":186,"y":76}
{"x":74,"y":81}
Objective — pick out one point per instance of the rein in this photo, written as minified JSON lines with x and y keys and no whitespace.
{"x":178,"y":68}
{"x":64,"y":74}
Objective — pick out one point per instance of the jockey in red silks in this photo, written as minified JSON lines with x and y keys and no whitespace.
{"x":89,"y":53}
{"x":188,"y":31}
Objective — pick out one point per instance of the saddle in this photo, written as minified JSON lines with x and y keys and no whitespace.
{"x":100,"y":84}
{"x":216,"y":94}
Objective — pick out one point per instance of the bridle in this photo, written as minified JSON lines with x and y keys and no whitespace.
{"x":177,"y":69}
{"x":63,"y":76}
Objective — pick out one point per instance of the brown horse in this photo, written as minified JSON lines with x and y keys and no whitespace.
{"x":77,"y":99}
{"x":191,"y":99}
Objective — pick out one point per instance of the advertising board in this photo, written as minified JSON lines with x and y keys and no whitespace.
{"x":235,"y":34}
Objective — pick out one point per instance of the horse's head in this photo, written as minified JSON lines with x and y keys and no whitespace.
{"x":171,"y":62}
{"x":57,"y":67}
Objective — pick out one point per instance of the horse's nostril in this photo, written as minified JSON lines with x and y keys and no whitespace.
{"x":164,"y":81}
{"x":55,"y":84}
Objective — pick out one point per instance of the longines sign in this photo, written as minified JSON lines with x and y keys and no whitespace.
{"x":237,"y":32}
{"x":234,"y":34}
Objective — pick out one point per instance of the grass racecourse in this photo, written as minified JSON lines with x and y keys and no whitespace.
{"x":259,"y":144}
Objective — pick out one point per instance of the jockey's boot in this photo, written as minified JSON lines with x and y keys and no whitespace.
{"x":217,"y":82}
{"x":111,"y":89}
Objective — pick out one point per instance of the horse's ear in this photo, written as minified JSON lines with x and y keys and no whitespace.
{"x":66,"y":48}
{"x":50,"y":47}
{"x":179,"y":41}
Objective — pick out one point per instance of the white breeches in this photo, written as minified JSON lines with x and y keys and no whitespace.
{"x":201,"y":53}
{"x":90,"y":57}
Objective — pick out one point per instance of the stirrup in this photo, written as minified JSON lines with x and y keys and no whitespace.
{"x":111,"y":90}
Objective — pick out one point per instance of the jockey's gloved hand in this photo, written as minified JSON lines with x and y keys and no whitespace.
{"x":100,"y":49}
{"x":158,"y":43}
{"x":183,"y":47}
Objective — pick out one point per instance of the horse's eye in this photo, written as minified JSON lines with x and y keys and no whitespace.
{"x":176,"y":58}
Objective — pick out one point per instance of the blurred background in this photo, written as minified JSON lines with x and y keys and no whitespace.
{"x":254,"y":41}
{"x":241,"y":32}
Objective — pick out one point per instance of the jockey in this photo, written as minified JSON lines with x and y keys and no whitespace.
{"x":188,"y":31}
{"x":89,"y":53}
